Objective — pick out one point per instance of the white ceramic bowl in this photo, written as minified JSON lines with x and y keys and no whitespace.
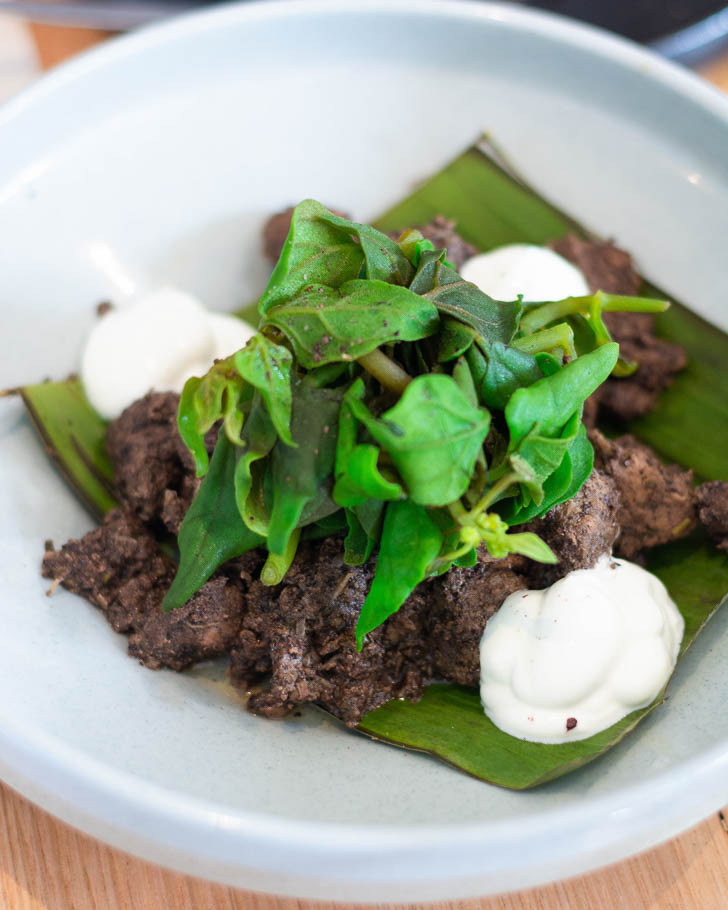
{"x":159,"y":156}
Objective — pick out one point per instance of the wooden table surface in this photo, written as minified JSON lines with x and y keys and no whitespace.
{"x":45,"y":865}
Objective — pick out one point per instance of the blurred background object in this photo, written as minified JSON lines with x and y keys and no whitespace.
{"x":685,"y":30}
{"x":37,"y":34}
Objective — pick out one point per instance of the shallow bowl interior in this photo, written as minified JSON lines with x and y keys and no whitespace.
{"x":156,"y":159}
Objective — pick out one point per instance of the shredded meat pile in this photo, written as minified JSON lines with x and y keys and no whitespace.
{"x":294,"y":643}
{"x":607,"y":268}
{"x":121,"y":568}
{"x":712,"y":502}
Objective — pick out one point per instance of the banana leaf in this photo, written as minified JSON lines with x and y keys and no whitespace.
{"x":492,"y":206}
{"x":73,"y":435}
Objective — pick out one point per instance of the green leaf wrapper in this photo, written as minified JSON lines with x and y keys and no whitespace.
{"x":74,"y":436}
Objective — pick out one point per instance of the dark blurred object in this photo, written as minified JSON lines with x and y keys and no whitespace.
{"x":684,"y":30}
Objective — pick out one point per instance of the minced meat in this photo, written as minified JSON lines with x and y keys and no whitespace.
{"x":607,"y":268}
{"x":120,"y":568}
{"x":656,"y":500}
{"x":460,"y":602}
{"x":301,"y":632}
{"x":712,"y":503}
{"x":579,"y":530}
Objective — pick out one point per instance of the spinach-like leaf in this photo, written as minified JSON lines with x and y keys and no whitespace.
{"x":358,"y":477}
{"x":212,"y":531}
{"x":383,"y":258}
{"x":464,"y":381}
{"x":267,"y":367}
{"x":361,"y":479}
{"x":298,"y":474}
{"x":454,"y":339}
{"x":545,"y":453}
{"x":325,"y":249}
{"x":315,"y":252}
{"x":493,"y":319}
{"x":434,"y":436}
{"x":565,"y":481}
{"x":410,"y":541}
{"x":500,"y":370}
{"x":364,"y":522}
{"x":551,"y":401}
{"x":258,"y":438}
{"x":358,"y":546}
{"x":221,"y":394}
{"x":326,"y":324}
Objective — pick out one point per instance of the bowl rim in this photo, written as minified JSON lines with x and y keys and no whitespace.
{"x":81,"y":785}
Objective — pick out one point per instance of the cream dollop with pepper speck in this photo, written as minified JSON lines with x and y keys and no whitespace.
{"x":566,"y":662}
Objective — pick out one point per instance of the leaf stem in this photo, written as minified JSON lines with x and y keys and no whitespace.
{"x":386,"y":371}
{"x":539,"y":316}
{"x":494,"y":492}
{"x":558,"y":336}
{"x":276,"y":566}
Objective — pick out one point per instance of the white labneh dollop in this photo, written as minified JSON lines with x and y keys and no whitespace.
{"x":523,"y":268}
{"x":155,"y":342}
{"x":571,"y":660}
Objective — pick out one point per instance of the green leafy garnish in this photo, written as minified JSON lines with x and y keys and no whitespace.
{"x":371,"y":390}
{"x":433,"y":435}
{"x":267,"y":367}
{"x":409,"y":543}
{"x":326,"y":325}
{"x":211,"y":531}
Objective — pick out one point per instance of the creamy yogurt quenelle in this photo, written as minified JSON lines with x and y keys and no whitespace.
{"x":535,"y":272}
{"x":155,"y":342}
{"x":571,"y":660}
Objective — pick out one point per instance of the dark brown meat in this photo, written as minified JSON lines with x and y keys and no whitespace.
{"x":153,"y":471}
{"x":146,"y":453}
{"x":459,"y":604}
{"x":204,"y":627}
{"x":607,"y":268}
{"x":120,"y":568}
{"x":302,"y":632}
{"x":656,"y":501}
{"x":441,"y":231}
{"x":579,"y":531}
{"x":658,"y":362}
{"x":712,"y":502}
